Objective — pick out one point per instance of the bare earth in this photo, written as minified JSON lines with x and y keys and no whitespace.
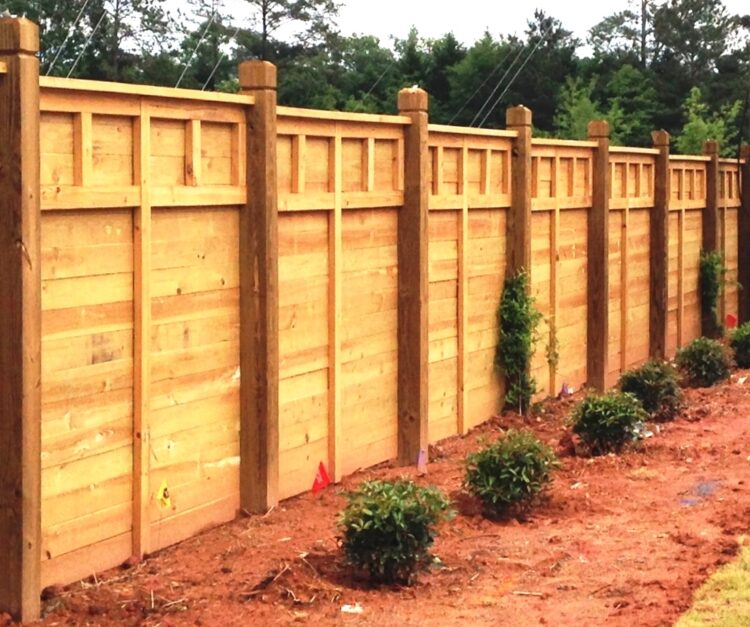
{"x":617,"y":540}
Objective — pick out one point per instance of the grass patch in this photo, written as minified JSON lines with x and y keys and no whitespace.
{"x":723,"y":600}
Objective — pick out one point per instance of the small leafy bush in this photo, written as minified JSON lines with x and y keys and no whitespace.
{"x":388,"y":528}
{"x":517,"y":319}
{"x":711,"y":278}
{"x":704,"y":362}
{"x":739,"y":340}
{"x":509,"y":471}
{"x":655,"y":384}
{"x":607,"y":422}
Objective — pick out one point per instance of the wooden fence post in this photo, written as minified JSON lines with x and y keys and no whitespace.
{"x":597,"y":331}
{"x":259,"y":297}
{"x":711,"y":235}
{"x":659,"y":250}
{"x":744,"y":236}
{"x":20,"y":321}
{"x":519,"y":218}
{"x":413,"y":261}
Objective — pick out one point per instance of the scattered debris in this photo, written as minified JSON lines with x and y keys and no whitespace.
{"x":352,"y":609}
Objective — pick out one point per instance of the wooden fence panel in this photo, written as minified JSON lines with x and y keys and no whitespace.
{"x":87,"y":391}
{"x":632,"y":200}
{"x":469,"y":182}
{"x":561,"y":201}
{"x":142,"y":192}
{"x":729,"y":209}
{"x":140,"y":420}
{"x":686,"y":207}
{"x":194,"y":374}
{"x":340,"y":181}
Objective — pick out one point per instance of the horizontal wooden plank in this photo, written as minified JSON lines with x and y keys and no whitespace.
{"x":341,"y":116}
{"x":168,"y":93}
{"x":439,"y":129}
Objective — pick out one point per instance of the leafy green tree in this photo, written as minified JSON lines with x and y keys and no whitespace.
{"x":312,"y":19}
{"x":633,"y":103}
{"x":701,"y":125}
{"x":575,"y":110}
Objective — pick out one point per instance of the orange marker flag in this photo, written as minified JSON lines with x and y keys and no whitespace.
{"x":321,"y":479}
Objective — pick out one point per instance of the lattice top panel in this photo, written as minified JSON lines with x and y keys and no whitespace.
{"x":351,"y":161}
{"x":561,"y":175}
{"x":688,"y":182}
{"x":632,"y":176}
{"x":469,"y":170}
{"x":729,"y":184}
{"x":103,"y":148}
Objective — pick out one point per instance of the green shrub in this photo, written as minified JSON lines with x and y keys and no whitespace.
{"x":517,"y":320}
{"x":388,"y":528}
{"x":711,"y":279}
{"x":607,"y":422}
{"x":739,"y":340}
{"x":656,"y":386}
{"x":509,"y":471}
{"x":704,"y":362}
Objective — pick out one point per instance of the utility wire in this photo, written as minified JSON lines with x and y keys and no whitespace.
{"x":67,"y":37}
{"x":380,"y":78}
{"x":497,"y":86}
{"x":218,"y":63}
{"x":86,"y":45}
{"x":198,"y":45}
{"x":476,"y":91}
{"x":515,"y":76}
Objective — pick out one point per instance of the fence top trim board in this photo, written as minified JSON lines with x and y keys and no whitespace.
{"x":460,"y":130}
{"x":704,"y":158}
{"x":342,"y":116}
{"x":100,"y":87}
{"x":633,"y":151}
{"x":566,"y":143}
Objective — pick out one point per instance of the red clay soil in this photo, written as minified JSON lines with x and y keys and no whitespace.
{"x":618,"y":540}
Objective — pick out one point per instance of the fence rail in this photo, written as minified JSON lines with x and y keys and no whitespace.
{"x":207,"y":295}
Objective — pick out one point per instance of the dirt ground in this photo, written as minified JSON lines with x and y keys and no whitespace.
{"x":618,"y":540}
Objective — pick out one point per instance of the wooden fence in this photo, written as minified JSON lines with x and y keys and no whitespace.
{"x":206,"y":296}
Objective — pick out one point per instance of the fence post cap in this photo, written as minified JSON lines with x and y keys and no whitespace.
{"x":598,"y":129}
{"x":518,"y":116}
{"x":412,"y":99}
{"x":18,"y":34}
{"x":660,"y":138}
{"x":710,"y":147}
{"x":257,"y":74}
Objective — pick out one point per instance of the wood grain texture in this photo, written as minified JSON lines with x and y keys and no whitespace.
{"x":259,"y":297}
{"x":20,"y":321}
{"x":659,"y":250}
{"x":744,"y":235}
{"x":598,"y":260}
{"x":413,"y":357}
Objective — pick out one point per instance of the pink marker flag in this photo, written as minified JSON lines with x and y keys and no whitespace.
{"x":731,"y":321}
{"x":321,"y":479}
{"x":422,"y":461}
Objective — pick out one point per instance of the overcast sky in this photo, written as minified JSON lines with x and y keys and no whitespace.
{"x":468,"y":19}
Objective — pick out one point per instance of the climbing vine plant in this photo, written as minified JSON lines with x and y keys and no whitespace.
{"x":518,"y":319}
{"x":712,"y":272}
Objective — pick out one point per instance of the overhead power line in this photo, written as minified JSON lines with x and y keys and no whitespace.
{"x":497,"y":86}
{"x":198,"y":45}
{"x":515,"y":76}
{"x":67,"y":37}
{"x":483,"y":83}
{"x":86,"y":45}
{"x":218,"y":63}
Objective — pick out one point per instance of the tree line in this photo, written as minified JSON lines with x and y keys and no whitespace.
{"x":680,"y":65}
